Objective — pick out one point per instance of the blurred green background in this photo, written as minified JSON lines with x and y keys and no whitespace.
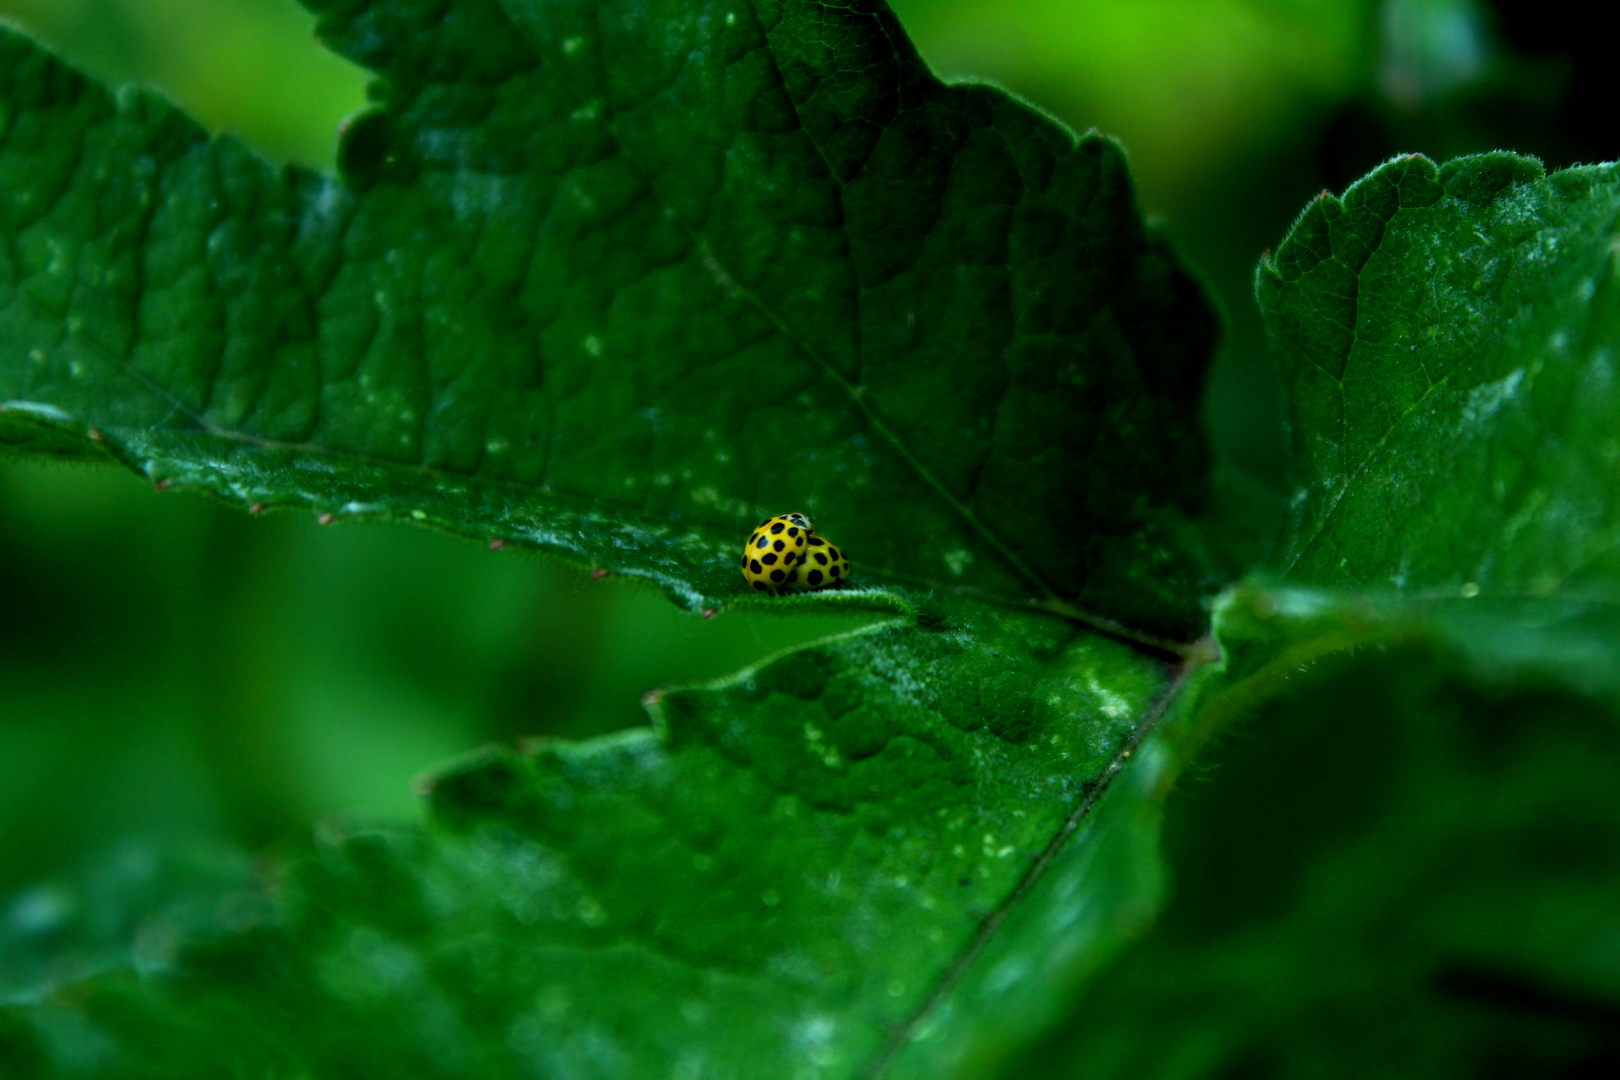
{"x":185,"y":672}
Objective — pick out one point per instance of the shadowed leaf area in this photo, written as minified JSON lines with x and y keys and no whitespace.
{"x":617,"y":280}
{"x":1390,"y":873}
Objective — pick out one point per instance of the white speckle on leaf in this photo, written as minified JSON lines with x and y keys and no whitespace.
{"x":39,"y":910}
{"x":1113,"y":705}
{"x":1006,"y":974}
{"x":812,"y":1037}
{"x":957,"y":560}
{"x":572,"y":45}
{"x":1484,"y":402}
{"x":815,"y":740}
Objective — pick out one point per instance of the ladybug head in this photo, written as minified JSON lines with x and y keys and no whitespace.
{"x":800,"y":520}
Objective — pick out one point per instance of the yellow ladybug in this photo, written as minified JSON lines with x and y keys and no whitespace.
{"x":785,"y":555}
{"x":822,"y":566}
{"x":773,"y":550}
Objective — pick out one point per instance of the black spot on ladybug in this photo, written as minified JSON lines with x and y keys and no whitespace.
{"x":834,"y":553}
{"x":764,"y":542}
{"x":769,"y":560}
{"x":814,"y":578}
{"x":778,"y":527}
{"x":791,"y":531}
{"x":761,"y":586}
{"x":777,"y":575}
{"x":778,"y":545}
{"x":816,"y":541}
{"x":799,"y":542}
{"x":835,"y":571}
{"x":794,"y":576}
{"x":754,"y":566}
{"x":820,"y":558}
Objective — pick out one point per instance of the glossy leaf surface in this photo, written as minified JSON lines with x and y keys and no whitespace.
{"x":619,"y":279}
{"x":866,"y":857}
{"x":1450,"y":335}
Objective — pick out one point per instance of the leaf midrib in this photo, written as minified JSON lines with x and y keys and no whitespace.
{"x":855,"y":394}
{"x":1338,"y":383}
{"x":1091,"y":795}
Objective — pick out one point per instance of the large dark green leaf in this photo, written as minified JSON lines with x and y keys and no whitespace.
{"x":886,"y":854}
{"x":616,"y":279}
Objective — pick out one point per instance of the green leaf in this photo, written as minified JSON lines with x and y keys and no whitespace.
{"x":854,"y":860}
{"x":1449,"y":336}
{"x":618,"y":279}
{"x":615,"y":280}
